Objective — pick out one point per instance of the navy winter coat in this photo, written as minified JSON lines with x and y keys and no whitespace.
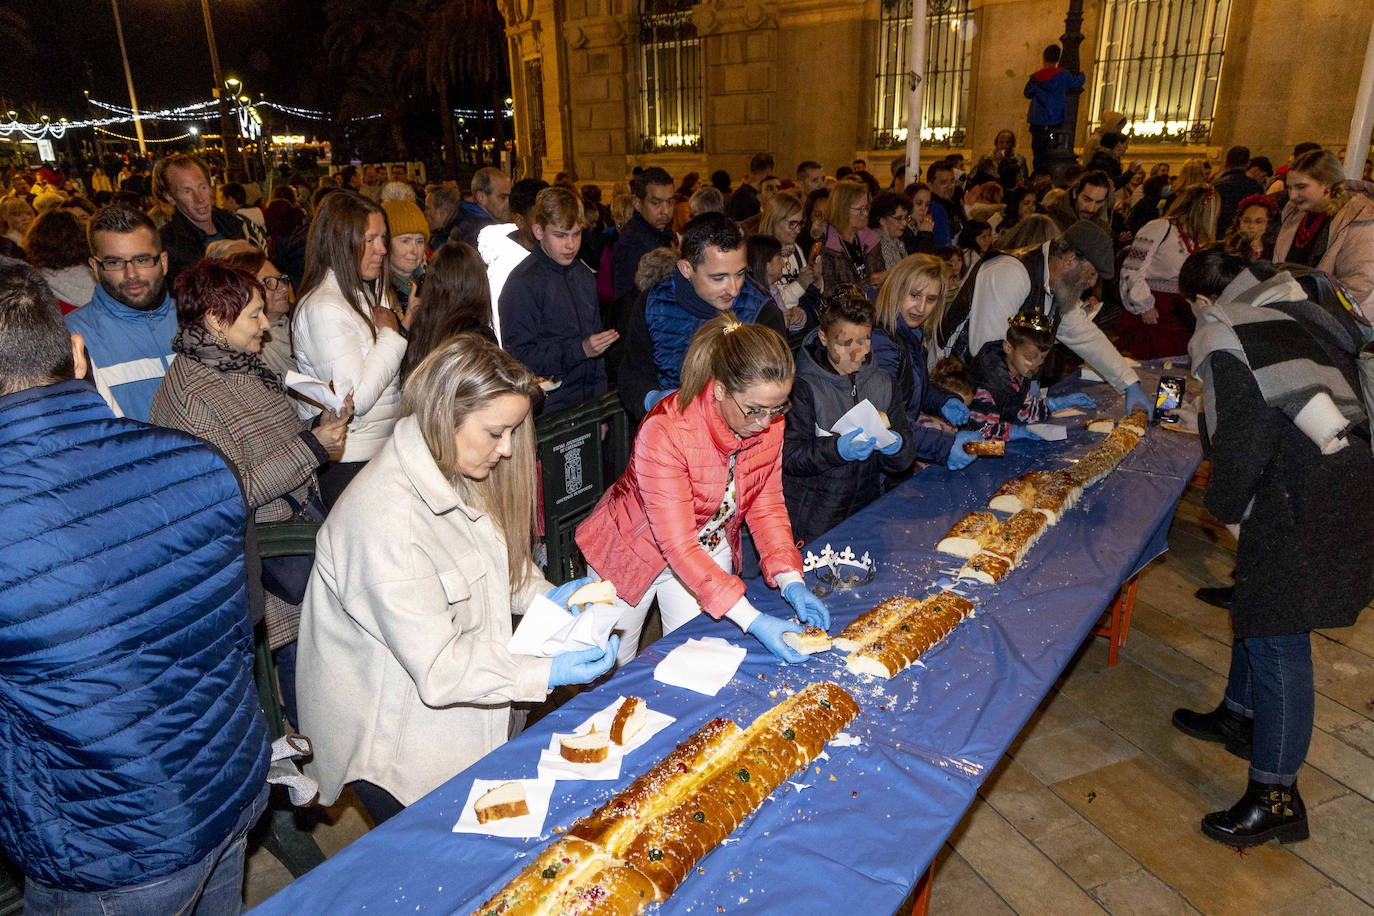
{"x":1045,"y":89}
{"x":637,"y":239}
{"x":905,"y":360}
{"x":131,"y":734}
{"x":547,"y":310}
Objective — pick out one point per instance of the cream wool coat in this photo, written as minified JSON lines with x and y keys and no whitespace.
{"x":403,"y":676}
{"x":333,"y":343}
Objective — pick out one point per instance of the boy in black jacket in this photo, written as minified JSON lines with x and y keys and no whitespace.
{"x":1006,"y":396}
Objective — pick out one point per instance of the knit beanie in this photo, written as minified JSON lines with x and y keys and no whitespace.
{"x":404,"y":217}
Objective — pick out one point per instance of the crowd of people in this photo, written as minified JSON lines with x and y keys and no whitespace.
{"x":145,"y":433}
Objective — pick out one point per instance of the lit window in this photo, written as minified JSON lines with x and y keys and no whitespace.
{"x":950,"y":29}
{"x":669,"y":77}
{"x":1158,"y":62}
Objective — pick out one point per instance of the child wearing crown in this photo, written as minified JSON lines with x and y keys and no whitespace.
{"x":1006,"y":396}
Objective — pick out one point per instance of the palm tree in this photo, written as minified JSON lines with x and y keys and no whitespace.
{"x":464,"y":44}
{"x":372,"y":50}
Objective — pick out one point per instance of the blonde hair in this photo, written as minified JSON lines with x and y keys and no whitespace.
{"x":461,"y":376}
{"x":843,"y":195}
{"x":1322,"y":166}
{"x":924,"y":267}
{"x":622,"y":209}
{"x":1194,"y":211}
{"x":785,"y":205}
{"x":557,"y":207}
{"x":735,"y":354}
{"x":1192,"y":172}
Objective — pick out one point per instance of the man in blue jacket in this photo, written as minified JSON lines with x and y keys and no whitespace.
{"x":129,"y":324}
{"x":133,"y":754}
{"x":1046,"y":90}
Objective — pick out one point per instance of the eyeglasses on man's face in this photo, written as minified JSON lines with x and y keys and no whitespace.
{"x":762,"y":413}
{"x":116,"y":265}
{"x":273,"y":284}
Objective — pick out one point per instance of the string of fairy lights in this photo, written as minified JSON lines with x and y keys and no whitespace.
{"x":46,"y":128}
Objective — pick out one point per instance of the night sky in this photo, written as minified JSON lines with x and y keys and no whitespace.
{"x":273,"y":46}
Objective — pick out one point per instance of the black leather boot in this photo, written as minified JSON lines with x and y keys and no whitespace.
{"x":1266,"y":812}
{"x":1216,"y":597}
{"x":1222,"y":725}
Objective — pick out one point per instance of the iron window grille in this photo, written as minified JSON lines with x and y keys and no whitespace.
{"x":670,"y":71}
{"x":1158,"y":63}
{"x":945,"y":101}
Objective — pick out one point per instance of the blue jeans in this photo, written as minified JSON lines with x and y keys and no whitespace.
{"x":212,"y":886}
{"x":1271,"y":681}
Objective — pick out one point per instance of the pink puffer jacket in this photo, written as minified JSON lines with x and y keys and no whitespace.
{"x":650,"y":517}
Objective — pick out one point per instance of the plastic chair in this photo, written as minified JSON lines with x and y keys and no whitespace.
{"x":279,"y":832}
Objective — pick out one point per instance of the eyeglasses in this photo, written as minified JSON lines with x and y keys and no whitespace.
{"x":794,"y":224}
{"x":863,"y":209}
{"x":275,"y":283}
{"x":761,"y":413}
{"x":116,"y":265}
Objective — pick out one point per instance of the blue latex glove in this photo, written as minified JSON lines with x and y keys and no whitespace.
{"x":1077,"y":399}
{"x":854,"y":448}
{"x":653,"y":397}
{"x":893,"y":447}
{"x":768,"y":630}
{"x":584,"y":665}
{"x":955,"y":411}
{"x":810,"y":609}
{"x":958,"y":459}
{"x":1136,"y":398}
{"x":1019,"y":431}
{"x":560,"y":594}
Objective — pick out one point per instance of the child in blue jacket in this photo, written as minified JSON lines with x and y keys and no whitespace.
{"x":1046,"y":90}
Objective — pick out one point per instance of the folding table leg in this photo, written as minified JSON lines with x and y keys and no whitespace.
{"x":1122,"y":607}
{"x":920,"y":904}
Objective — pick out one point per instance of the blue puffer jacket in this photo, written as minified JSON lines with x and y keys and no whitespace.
{"x":674,"y":312}
{"x":905,"y":360}
{"x":131,"y":734}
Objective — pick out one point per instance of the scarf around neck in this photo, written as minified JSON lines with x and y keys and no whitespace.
{"x":198,"y":343}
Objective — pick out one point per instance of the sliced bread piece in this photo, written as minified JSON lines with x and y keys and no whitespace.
{"x":1102,"y":425}
{"x":809,"y":641}
{"x":506,"y":800}
{"x":589,"y":748}
{"x":969,"y":535}
{"x":986,"y":448}
{"x":629,"y":719}
{"x":599,"y":592}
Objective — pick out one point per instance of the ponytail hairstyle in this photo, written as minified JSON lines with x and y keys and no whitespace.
{"x":462,"y":376}
{"x":735,"y":354}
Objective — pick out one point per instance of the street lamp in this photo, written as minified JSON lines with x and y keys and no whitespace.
{"x":129,"y":78}
{"x":227,"y":132}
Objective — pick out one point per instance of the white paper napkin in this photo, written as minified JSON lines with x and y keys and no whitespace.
{"x":1050,"y":432}
{"x":547,"y":629}
{"x":864,"y":416}
{"x":314,"y":389}
{"x":537,"y":795}
{"x":552,"y":765}
{"x":704,"y":665}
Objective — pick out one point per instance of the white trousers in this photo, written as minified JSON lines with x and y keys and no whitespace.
{"x":676,"y":605}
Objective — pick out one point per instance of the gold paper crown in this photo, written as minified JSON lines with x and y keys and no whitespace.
{"x":1034,"y":320}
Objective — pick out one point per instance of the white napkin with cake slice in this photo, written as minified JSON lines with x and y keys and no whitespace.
{"x":538,"y":792}
{"x":552,"y":764}
{"x":546,"y":629}
{"x":704,"y":665}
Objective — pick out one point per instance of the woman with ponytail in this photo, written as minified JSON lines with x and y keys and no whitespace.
{"x":705,"y":461}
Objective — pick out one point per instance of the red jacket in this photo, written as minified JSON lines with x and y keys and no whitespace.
{"x":680,"y":463}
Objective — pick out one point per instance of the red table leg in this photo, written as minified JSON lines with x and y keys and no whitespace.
{"x":920,"y":904}
{"x":1116,"y":631}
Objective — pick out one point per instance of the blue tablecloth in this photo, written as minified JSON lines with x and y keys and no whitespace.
{"x":861,"y":826}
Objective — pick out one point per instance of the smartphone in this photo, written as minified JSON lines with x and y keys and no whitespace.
{"x":1168,"y":397}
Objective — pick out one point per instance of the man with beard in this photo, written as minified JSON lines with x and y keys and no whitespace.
{"x":1089,"y":199}
{"x":129,"y":323}
{"x":1050,"y":280}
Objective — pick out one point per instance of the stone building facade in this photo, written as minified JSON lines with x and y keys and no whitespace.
{"x":801,"y":78}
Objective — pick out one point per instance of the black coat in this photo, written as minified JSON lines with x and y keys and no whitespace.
{"x":1306,"y":552}
{"x":185,"y":242}
{"x":636,"y":240}
{"x":1232,"y":187}
{"x":821,"y":488}
{"x":547,"y":310}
